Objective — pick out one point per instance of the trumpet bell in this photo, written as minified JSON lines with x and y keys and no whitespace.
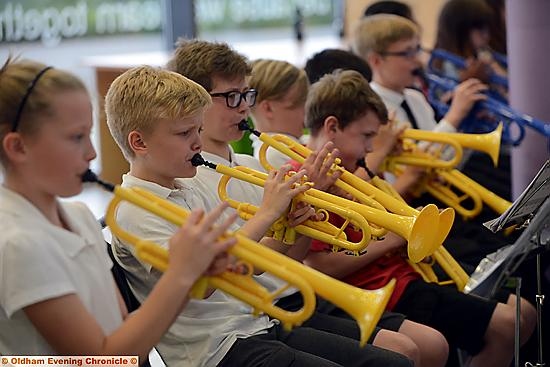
{"x":446,"y":220}
{"x":423,"y":241}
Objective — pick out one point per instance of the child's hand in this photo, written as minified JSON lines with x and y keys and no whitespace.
{"x":388,"y":136}
{"x":279,"y":191}
{"x":302,"y":212}
{"x":465,"y":95}
{"x":476,"y":68}
{"x":196,"y":248}
{"x":318,"y":165}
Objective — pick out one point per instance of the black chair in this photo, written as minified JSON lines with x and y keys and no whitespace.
{"x":130,"y":300}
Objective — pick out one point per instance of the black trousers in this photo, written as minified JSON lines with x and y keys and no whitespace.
{"x":305,"y":346}
{"x":328,"y":338}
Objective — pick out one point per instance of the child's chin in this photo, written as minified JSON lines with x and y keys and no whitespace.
{"x":189,"y":172}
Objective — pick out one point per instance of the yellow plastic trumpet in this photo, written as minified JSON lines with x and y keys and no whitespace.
{"x":445,"y":183}
{"x":320,"y":230}
{"x":364,"y":306}
{"x":488,"y":143}
{"x":413,"y":229}
{"x":452,"y":268}
{"x":372,"y":196}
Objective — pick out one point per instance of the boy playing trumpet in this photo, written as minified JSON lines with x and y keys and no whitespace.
{"x":484,"y":328}
{"x":156,"y":117}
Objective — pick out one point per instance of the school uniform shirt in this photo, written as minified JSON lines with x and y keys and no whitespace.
{"x":424,"y":116}
{"x":274,"y":157}
{"x":207,"y":179}
{"x":41,"y":261}
{"x":418,"y":104}
{"x":206,"y":329}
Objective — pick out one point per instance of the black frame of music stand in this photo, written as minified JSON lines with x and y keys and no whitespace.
{"x":528,"y":241}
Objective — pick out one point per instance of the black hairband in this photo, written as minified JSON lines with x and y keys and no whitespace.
{"x":31,"y":86}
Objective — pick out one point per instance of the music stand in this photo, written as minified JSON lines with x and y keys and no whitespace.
{"x":532,"y":211}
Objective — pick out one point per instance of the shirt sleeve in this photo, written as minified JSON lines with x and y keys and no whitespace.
{"x":31,"y":271}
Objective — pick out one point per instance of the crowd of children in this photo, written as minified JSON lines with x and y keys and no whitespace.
{"x":57,"y":294}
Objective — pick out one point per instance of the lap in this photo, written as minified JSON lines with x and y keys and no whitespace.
{"x":463,"y":319}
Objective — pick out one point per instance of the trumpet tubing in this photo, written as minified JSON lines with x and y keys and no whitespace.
{"x":372,"y":196}
{"x":323,"y":231}
{"x":364,"y":306}
{"x":488,"y":143}
{"x":495,"y":202}
{"x":440,"y":187}
{"x":457,"y":275}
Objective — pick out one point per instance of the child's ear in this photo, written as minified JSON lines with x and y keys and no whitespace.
{"x":373,"y":59}
{"x":331,"y":126}
{"x":136,"y":142}
{"x":266,"y":108}
{"x":14,"y":146}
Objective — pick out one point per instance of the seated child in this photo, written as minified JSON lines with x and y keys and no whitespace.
{"x":159,"y":139}
{"x":57,"y":294}
{"x":484,"y":328}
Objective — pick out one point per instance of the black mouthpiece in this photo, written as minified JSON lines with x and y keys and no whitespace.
{"x":198,"y":160}
{"x":362,"y":163}
{"x":90,"y":176}
{"x":418,"y":72}
{"x":243,"y":126}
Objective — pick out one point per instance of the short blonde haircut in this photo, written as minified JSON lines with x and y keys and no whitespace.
{"x":344,"y":94}
{"x":201,"y":61}
{"x":142,"y":96}
{"x":377,"y":32}
{"x":15,"y":78}
{"x":273,"y":79}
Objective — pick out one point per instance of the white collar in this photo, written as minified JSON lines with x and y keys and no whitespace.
{"x":387,"y":94}
{"x":131,"y":181}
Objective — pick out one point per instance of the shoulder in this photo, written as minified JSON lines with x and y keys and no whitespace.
{"x":414,"y":95}
{"x":249,"y":161}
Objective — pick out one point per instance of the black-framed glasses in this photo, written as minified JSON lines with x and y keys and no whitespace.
{"x":32,"y":84}
{"x":234,"y":98}
{"x":408,"y":54}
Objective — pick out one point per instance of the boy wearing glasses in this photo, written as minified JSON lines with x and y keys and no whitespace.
{"x":222,"y":72}
{"x":391,"y":46}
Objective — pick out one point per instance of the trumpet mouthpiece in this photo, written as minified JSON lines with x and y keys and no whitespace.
{"x":90,"y":176}
{"x":243,"y":125}
{"x":198,"y":160}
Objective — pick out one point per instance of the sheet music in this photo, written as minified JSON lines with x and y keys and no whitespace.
{"x":527,"y":203}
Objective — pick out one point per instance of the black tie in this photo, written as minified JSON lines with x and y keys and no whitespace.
{"x":409,"y":113}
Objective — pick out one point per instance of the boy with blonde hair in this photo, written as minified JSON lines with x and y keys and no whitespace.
{"x":217,"y":330}
{"x":391,"y":45}
{"x":279,"y":109}
{"x":483,"y":327}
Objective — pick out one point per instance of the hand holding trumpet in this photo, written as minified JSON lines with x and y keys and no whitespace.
{"x":198,"y":247}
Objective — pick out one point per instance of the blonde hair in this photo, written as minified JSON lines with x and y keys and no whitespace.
{"x":16,"y":76}
{"x":141,"y":96}
{"x":273,"y":79}
{"x":376,"y":33}
{"x":201,"y":61}
{"x":344,"y":94}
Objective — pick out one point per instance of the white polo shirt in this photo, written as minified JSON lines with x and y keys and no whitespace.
{"x":206,"y":329}
{"x":208,"y":179}
{"x":418,"y":104}
{"x":40,"y":261}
